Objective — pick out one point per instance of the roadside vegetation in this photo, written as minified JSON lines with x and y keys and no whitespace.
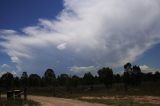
{"x":129,"y":101}
{"x":17,"y":102}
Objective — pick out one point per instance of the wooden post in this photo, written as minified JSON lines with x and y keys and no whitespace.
{"x":9,"y":94}
{"x":25,"y":93}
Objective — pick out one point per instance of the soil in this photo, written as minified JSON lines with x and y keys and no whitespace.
{"x":52,"y":101}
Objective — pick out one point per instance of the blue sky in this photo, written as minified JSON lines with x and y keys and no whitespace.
{"x":78,"y":36}
{"x":21,"y":13}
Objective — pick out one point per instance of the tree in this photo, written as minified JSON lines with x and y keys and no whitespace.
{"x":97,"y":80}
{"x":49,"y":77}
{"x":126,"y":80}
{"x":136,"y":75}
{"x":157,"y":76}
{"x":34,"y":80}
{"x":66,"y":81}
{"x":16,"y":82}
{"x":63,"y":79}
{"x":132,"y":75}
{"x":88,"y":80}
{"x":106,"y":76}
{"x":149,"y":76}
{"x":128,"y":67}
{"x":43,"y":84}
{"x":24,"y":79}
{"x":117,"y":78}
{"x":75,"y":81}
{"x":7,"y":80}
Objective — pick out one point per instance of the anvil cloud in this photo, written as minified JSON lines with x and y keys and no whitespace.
{"x":90,"y":33}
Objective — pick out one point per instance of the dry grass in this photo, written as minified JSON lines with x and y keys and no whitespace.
{"x":125,"y":100}
{"x":17,"y":102}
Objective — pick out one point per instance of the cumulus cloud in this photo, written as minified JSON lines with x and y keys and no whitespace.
{"x":83,"y":70}
{"x":6,"y":68}
{"x":147,"y":69}
{"x":87,"y":32}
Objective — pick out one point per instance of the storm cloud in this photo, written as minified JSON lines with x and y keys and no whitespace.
{"x":86,"y":33}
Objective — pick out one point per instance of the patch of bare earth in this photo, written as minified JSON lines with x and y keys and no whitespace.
{"x":52,"y":101}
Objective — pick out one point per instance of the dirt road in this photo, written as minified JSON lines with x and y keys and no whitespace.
{"x":52,"y":101}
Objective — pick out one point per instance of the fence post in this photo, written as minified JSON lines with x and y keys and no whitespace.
{"x":10,"y":94}
{"x":25,"y":93}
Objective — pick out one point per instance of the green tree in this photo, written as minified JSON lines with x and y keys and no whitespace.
{"x":136,"y":76}
{"x":157,"y":76}
{"x":117,"y":78}
{"x":88,"y":79}
{"x":49,"y":77}
{"x":75,"y":81}
{"x":7,"y":80}
{"x":128,"y":67}
{"x":34,"y":80}
{"x":24,"y":79}
{"x":106,"y":76}
{"x":132,"y":75}
{"x":66,"y":81}
{"x":126,"y":80}
{"x":63,"y":79}
{"x":16,"y":82}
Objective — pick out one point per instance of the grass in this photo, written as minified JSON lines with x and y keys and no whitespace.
{"x":17,"y":102}
{"x":117,"y":102}
{"x":117,"y":89}
{"x":146,"y":89}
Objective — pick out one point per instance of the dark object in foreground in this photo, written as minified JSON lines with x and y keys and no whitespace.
{"x":9,"y":94}
{"x":17,"y":102}
{"x":25,"y":93}
{"x":17,"y":94}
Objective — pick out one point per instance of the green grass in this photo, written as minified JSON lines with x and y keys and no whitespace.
{"x":17,"y":102}
{"x":117,"y":102}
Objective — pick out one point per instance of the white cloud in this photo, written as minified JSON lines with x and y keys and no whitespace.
{"x":147,"y":69}
{"x":92,"y":32}
{"x":82,"y":70}
{"x":6,"y":68}
{"x":61,"y":46}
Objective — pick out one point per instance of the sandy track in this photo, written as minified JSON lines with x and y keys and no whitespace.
{"x":52,"y":101}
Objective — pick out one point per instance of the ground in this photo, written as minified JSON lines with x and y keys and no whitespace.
{"x":107,"y":100}
{"x":125,"y":100}
{"x":52,"y":101}
{"x":98,"y":101}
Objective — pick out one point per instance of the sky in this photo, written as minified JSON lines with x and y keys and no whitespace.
{"x":78,"y":36}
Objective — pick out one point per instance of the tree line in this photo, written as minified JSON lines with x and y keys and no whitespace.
{"x":131,"y":77}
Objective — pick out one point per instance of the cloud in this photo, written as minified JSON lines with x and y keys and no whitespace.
{"x":82,"y":70}
{"x":147,"y":69}
{"x":61,"y":46}
{"x":6,"y":68}
{"x":86,"y":33}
